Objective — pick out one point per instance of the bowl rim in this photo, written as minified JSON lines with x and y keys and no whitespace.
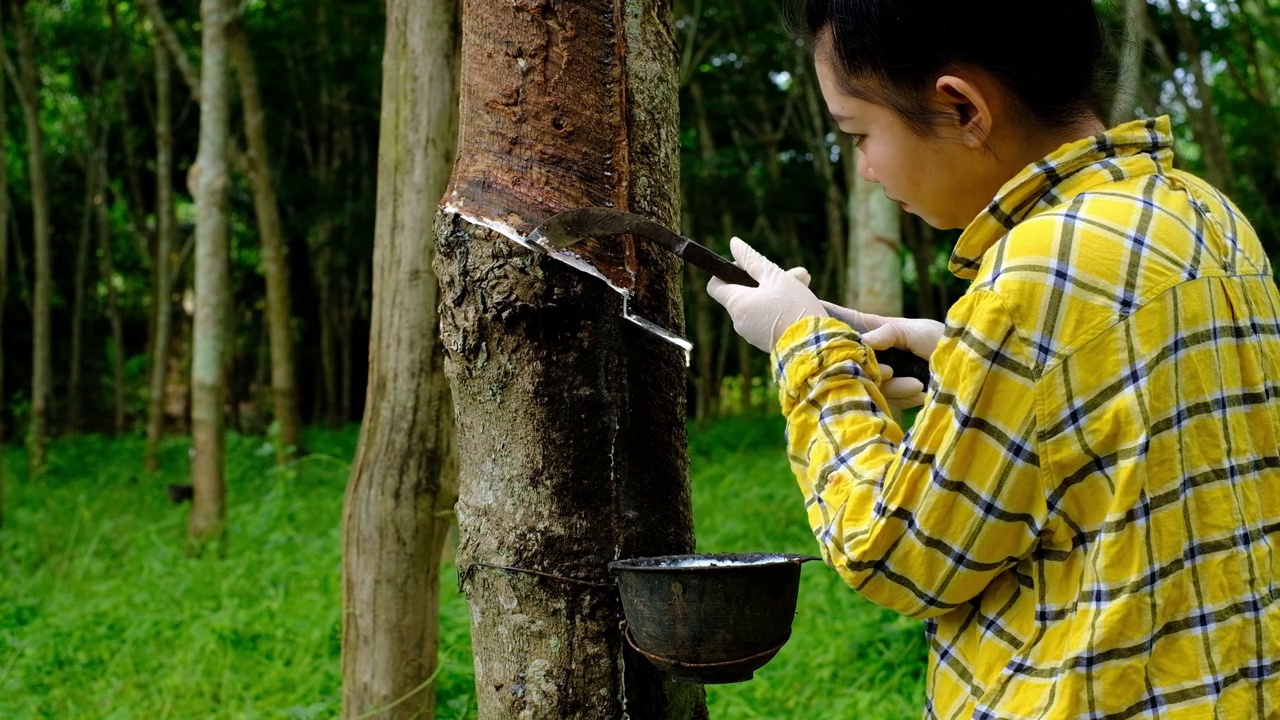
{"x":664,"y":563}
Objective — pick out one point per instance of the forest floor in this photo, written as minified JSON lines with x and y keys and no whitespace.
{"x":103,"y":616}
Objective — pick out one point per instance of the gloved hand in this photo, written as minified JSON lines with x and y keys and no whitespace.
{"x":761,"y":314}
{"x":919,"y":336}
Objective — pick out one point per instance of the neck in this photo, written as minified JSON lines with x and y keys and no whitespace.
{"x":1039,"y":145}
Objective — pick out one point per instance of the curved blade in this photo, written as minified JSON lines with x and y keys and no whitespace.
{"x":574,"y":226}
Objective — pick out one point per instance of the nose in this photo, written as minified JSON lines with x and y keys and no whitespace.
{"x":864,"y":168}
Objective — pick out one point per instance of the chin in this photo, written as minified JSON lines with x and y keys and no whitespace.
{"x":938,"y":223}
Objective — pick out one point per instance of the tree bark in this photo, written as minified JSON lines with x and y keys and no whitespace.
{"x":275,"y":268}
{"x":1131,"y":53}
{"x":875,"y":233}
{"x":1209,"y":131}
{"x":919,"y":240}
{"x":212,"y":296}
{"x":166,"y":227}
{"x":75,"y":393}
{"x":107,"y":269}
{"x":42,"y":345}
{"x":404,"y":480}
{"x":4,"y":271}
{"x":570,"y":420}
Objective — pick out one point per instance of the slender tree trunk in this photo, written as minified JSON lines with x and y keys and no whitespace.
{"x":4,"y":272}
{"x":107,"y":269}
{"x":404,"y":480}
{"x":570,"y":420}
{"x":75,"y":393}
{"x":1127,"y":87}
{"x":275,"y":267}
{"x":1209,"y":131}
{"x":875,"y":231}
{"x":208,"y":363}
{"x":347,"y":345}
{"x":166,"y":228}
{"x":328,"y":394}
{"x":41,"y":351}
{"x":829,"y":282}
{"x":920,"y":243}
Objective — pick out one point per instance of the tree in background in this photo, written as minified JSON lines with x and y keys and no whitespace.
{"x":571,"y":433}
{"x":4,"y":257}
{"x":257,"y":165}
{"x":25,"y":78}
{"x":162,"y":274}
{"x":399,"y":503}
{"x":212,"y":305}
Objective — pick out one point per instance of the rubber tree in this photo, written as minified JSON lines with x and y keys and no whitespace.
{"x":26,"y":80}
{"x":162,"y":282}
{"x":570,"y":419}
{"x":403,"y":483}
{"x":212,"y":283}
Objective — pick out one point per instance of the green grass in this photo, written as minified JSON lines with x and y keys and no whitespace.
{"x":103,"y":616}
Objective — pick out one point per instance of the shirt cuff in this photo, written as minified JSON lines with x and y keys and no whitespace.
{"x":817,"y":346}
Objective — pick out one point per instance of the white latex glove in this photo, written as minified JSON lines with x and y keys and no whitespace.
{"x":761,"y":314}
{"x":919,"y":336}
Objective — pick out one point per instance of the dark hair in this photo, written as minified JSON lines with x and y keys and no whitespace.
{"x":1049,"y":54}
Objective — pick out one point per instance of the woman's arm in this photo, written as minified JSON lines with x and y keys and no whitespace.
{"x":918,"y":524}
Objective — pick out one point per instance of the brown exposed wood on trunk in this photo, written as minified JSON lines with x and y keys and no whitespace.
{"x":27,"y":86}
{"x":571,"y":431}
{"x":404,"y":482}
{"x":274,"y":261}
{"x":166,"y":229}
{"x":208,"y":365}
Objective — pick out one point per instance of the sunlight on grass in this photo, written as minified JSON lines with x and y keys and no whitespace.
{"x":103,"y":617}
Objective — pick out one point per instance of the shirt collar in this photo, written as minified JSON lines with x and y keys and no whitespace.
{"x":1136,"y":148}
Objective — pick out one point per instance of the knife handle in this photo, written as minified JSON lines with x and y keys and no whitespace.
{"x":905,"y":363}
{"x":708,"y":260}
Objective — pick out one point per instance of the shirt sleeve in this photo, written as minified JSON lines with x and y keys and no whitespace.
{"x":919,"y":524}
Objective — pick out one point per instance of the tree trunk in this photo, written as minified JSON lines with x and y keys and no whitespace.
{"x":404,"y":480}
{"x":41,"y":351}
{"x":1131,"y":53}
{"x":166,"y":228}
{"x":75,"y":392}
{"x":4,"y":272}
{"x":835,"y":203}
{"x":213,"y":298}
{"x":275,"y":266}
{"x":570,"y":420}
{"x":919,"y":240}
{"x":107,"y":269}
{"x":875,"y":231}
{"x":1209,"y":131}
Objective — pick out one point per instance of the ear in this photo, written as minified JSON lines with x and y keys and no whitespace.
{"x":972,"y":108}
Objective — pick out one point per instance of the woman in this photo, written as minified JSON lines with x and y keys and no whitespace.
{"x":1087,"y":507}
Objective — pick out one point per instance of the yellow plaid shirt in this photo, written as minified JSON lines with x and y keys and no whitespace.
{"x":1087,"y":509}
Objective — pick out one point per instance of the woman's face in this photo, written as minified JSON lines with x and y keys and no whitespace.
{"x":946,"y":178}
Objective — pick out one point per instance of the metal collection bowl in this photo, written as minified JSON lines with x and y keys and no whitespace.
{"x":708,"y":619}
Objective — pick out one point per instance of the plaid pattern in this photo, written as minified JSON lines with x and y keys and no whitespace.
{"x":1087,"y":508}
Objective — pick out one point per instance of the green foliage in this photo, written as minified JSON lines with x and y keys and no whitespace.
{"x":103,"y":616}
